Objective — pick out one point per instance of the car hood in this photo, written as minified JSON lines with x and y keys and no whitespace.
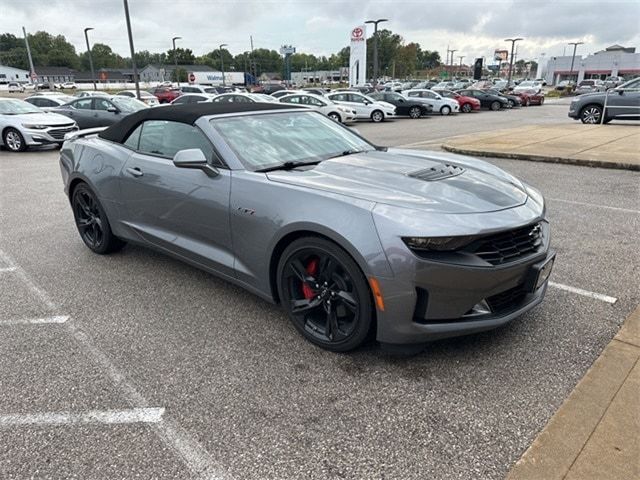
{"x":402,"y":178}
{"x":44,"y":118}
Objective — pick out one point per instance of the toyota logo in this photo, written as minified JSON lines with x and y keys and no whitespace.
{"x":357,"y":32}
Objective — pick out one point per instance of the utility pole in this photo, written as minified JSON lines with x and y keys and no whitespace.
{"x":460,"y":68}
{"x":575,"y":46}
{"x":33,"y":70}
{"x":375,"y":48}
{"x":452,"y":52}
{"x":222,"y":63}
{"x":175,"y":59}
{"x":133,"y":52}
{"x":93,"y":74}
{"x":513,"y":42}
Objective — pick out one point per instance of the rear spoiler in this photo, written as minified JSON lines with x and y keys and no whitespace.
{"x":83,"y":133}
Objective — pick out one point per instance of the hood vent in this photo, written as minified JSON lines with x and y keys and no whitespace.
{"x":439,"y":172}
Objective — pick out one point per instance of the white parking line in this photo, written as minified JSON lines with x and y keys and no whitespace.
{"x":586,"y":293}
{"x":133,"y":415}
{"x":7,"y":269}
{"x":619,"y":209}
{"x":35,"y":321}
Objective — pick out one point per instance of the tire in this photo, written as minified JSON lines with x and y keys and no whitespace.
{"x":495,"y":105}
{"x":13,"y":140}
{"x":466,"y":108}
{"x":541,"y":100}
{"x":512,"y":104}
{"x":591,"y":114}
{"x":92,"y":223}
{"x":526,"y":102}
{"x":331,"y":295}
{"x":415,"y":112}
{"x":445,"y":110}
{"x":335,"y":117}
{"x":377,"y":116}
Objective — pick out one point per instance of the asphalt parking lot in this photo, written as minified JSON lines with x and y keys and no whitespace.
{"x":137,"y":366}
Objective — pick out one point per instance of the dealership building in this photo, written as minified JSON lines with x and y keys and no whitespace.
{"x":613,"y":61}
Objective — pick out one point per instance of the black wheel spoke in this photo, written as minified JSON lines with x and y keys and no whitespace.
{"x":84,"y":205}
{"x":301,"y":272}
{"x":332,"y":331}
{"x":348,"y":300}
{"x":304,"y":305}
{"x":326,"y":269}
{"x":85,"y":222}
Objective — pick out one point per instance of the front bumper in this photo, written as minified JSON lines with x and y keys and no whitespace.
{"x":52,"y":134}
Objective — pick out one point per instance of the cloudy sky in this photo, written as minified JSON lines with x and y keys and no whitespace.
{"x":473,"y":28}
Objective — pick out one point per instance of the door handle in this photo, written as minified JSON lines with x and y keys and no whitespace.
{"x":135,"y":171}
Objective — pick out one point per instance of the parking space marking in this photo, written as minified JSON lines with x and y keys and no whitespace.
{"x":7,"y":269}
{"x":196,"y":458}
{"x":620,"y":209}
{"x":133,"y":415}
{"x":585,"y":293}
{"x":35,"y":321}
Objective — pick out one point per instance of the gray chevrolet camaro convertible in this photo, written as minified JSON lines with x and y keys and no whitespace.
{"x":354,"y":240}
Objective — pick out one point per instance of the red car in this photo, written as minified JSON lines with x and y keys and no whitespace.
{"x":166,"y":94}
{"x":530,"y":97}
{"x":467,"y":104}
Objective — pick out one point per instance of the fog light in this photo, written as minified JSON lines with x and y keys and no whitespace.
{"x":481,"y":308}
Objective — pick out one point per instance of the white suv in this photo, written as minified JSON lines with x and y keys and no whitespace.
{"x":365,"y":107}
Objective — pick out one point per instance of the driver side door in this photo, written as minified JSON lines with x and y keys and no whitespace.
{"x":183,"y":211}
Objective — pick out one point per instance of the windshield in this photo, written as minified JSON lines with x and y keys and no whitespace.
{"x":527,"y":84}
{"x":17,"y":107}
{"x":127,"y":104}
{"x":267,"y":140}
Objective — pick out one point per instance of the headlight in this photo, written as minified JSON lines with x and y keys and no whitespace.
{"x":34,"y":127}
{"x":438,"y":244}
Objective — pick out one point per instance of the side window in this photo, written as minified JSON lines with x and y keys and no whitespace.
{"x":133,"y":139}
{"x":164,"y":138}
{"x":84,"y":104}
{"x":315,"y":102}
{"x":189,"y":90}
{"x":356,"y":98}
{"x":102,"y":104}
{"x":35,"y":101}
{"x":45,"y":102}
{"x":295,"y":100}
{"x":341,"y":97}
{"x":414,"y":94}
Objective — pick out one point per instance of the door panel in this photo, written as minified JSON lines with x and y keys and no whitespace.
{"x":178,"y":209}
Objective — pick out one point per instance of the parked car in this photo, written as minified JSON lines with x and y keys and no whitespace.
{"x":316,"y":91}
{"x":66,"y":86}
{"x":145,"y":97}
{"x":202,"y":89}
{"x":623,"y":103}
{"x":405,"y":107}
{"x":467,"y":104}
{"x":43,"y":86}
{"x":15,"y":87}
{"x":23,"y":125}
{"x":565,"y":85}
{"x":393,"y":87}
{"x":322,"y":104}
{"x":192,"y":98}
{"x":439,"y":104}
{"x":166,"y":94}
{"x":366,"y":108}
{"x":513,"y":100}
{"x":613,"y":82}
{"x":541,"y":81}
{"x":243,"y":98}
{"x":527,"y":85}
{"x":351,"y":239}
{"x":530,"y":97}
{"x":282,"y":93}
{"x":590,"y":86}
{"x":487,"y":100}
{"x":49,"y":102}
{"x":92,"y":93}
{"x":91,"y":112}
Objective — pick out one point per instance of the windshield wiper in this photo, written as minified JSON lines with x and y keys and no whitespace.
{"x":348,"y":152}
{"x":287,"y":166}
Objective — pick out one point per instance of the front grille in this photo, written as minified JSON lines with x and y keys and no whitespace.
{"x":508,"y":246}
{"x":59,"y":133}
{"x":507,"y":300}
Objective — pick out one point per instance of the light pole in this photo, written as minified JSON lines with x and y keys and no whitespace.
{"x":460,"y":68}
{"x":175,"y":58}
{"x":93,"y":74}
{"x":133,"y":52}
{"x":375,"y":48}
{"x":222,"y":63}
{"x":513,"y":42}
{"x":452,"y":52}
{"x":575,"y":46}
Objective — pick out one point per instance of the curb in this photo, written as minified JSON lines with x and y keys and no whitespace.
{"x":587,"y":437}
{"x":583,"y":162}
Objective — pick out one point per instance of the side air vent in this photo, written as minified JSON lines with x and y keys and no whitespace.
{"x":438,"y":172}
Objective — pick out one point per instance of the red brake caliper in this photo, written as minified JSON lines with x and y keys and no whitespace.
{"x":312,"y":269}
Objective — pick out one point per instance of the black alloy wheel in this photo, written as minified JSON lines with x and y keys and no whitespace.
{"x":495,"y":105}
{"x":335,"y":117}
{"x":415,"y":112}
{"x":511,"y":103}
{"x":466,"y":108}
{"x":325,"y":294}
{"x":92,"y":222}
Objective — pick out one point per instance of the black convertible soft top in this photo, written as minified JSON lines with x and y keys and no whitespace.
{"x":187,"y":113}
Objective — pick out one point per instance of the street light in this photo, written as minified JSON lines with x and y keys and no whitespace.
{"x":575,"y":46}
{"x":460,"y":68}
{"x":222,"y":62}
{"x":93,"y":75}
{"x":513,"y":42}
{"x":133,"y":52}
{"x":175,"y":58}
{"x":375,"y":47}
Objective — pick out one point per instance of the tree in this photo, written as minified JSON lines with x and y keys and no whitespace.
{"x":103,"y":57}
{"x":407,"y":60}
{"x":184,"y":56}
{"x":213,"y":60}
{"x":429,"y":59}
{"x":388,"y":45}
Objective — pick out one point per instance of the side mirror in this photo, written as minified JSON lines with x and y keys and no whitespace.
{"x":113,"y":110}
{"x":194,"y":158}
